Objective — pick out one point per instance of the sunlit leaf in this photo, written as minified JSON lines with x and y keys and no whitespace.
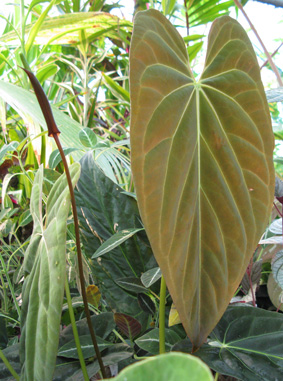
{"x":87,"y":137}
{"x":169,"y":366}
{"x":202,"y":162}
{"x":173,"y":316}
{"x":151,"y":276}
{"x":65,"y":29}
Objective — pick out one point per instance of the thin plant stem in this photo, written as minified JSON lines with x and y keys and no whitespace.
{"x":162,"y":316}
{"x":80,"y":262}
{"x":273,"y":54}
{"x":249,"y":273}
{"x":54,"y":132}
{"x":9,"y":366}
{"x":216,"y":376}
{"x":75,"y":330}
{"x":268,"y":56}
{"x":187,"y":17}
{"x":10,"y":285}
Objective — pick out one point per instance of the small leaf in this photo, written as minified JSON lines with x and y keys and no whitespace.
{"x":173,"y":316}
{"x":150,"y":341}
{"x":151,"y":276}
{"x":131,"y":284}
{"x":69,"y":350}
{"x":255,"y":275}
{"x":8,"y":148}
{"x":114,"y":241}
{"x":277,"y":268}
{"x":146,"y":304}
{"x":275,"y":95}
{"x":87,"y":137}
{"x":55,"y":157}
{"x":275,"y":292}
{"x":93,"y":295}
{"x":46,"y":72}
{"x":116,"y":89}
{"x":128,"y":325}
{"x":276,"y":226}
{"x":25,"y":218}
{"x":276,"y":239}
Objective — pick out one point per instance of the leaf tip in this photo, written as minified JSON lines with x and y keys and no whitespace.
{"x":43,"y":103}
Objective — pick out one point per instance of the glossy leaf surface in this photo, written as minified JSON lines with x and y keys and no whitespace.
{"x":202,"y":162}
{"x":45,"y":268}
{"x":247,"y":344}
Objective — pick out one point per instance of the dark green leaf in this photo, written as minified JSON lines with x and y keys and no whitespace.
{"x":131,"y":284}
{"x":146,"y":304}
{"x":102,"y":208}
{"x":150,"y":341}
{"x":247,"y":344}
{"x":69,"y":350}
{"x":103,"y":324}
{"x":116,"y":240}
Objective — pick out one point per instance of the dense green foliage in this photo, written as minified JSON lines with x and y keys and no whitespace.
{"x":197,"y":208}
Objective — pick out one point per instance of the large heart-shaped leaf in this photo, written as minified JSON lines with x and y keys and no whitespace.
{"x":202,"y":162}
{"x":45,"y":268}
{"x":247,"y":344}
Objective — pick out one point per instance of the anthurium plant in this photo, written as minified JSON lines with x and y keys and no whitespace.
{"x":161,"y":257}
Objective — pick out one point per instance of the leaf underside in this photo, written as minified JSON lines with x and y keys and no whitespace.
{"x":202,"y":162}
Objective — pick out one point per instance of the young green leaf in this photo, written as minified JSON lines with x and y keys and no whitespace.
{"x":116,"y":240}
{"x":45,"y":270}
{"x":87,"y":137}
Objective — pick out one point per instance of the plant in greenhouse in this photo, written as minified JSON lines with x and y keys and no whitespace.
{"x":154,"y":255}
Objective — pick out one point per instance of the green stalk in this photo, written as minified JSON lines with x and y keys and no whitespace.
{"x":9,"y":366}
{"x":75,"y":331}
{"x":10,"y":285}
{"x":162,"y":316}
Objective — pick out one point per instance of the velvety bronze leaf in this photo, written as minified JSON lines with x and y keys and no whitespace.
{"x":202,"y":162}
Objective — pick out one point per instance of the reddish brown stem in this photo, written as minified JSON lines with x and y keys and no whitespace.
{"x":273,"y":54}
{"x":249,"y":273}
{"x":80,"y":261}
{"x":268,"y":56}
